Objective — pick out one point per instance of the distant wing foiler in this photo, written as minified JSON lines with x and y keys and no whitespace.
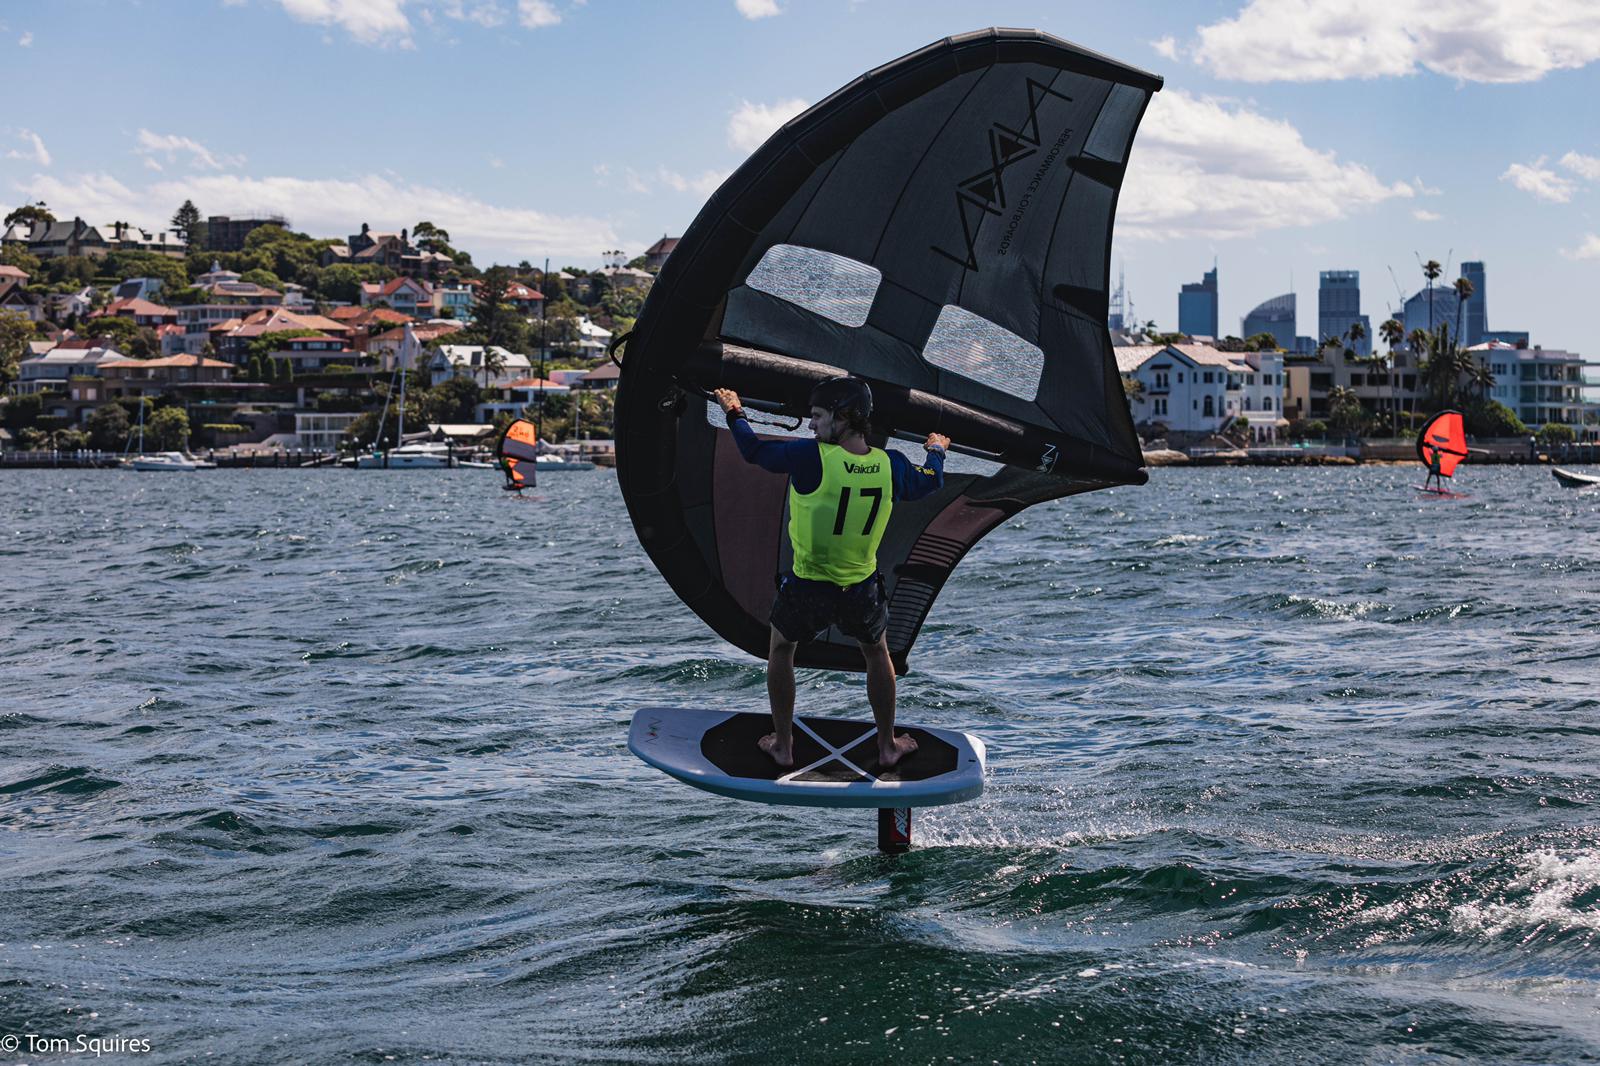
{"x":941,"y":226}
{"x":1443,"y":440}
{"x":518,"y":448}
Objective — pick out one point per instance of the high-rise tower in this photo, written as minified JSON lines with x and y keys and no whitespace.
{"x":1197,"y":306}
{"x":1339,"y":307}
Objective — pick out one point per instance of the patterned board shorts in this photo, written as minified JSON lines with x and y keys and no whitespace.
{"x":805,"y":608}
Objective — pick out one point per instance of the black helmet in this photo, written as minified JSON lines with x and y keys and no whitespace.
{"x":844,"y":396}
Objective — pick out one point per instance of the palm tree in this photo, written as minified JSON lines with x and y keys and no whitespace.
{"x":1392,"y":333}
{"x":1344,"y":409}
{"x":1431,"y":270}
{"x":493,"y":362}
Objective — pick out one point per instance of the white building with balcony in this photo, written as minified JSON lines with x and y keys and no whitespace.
{"x":1198,"y":389}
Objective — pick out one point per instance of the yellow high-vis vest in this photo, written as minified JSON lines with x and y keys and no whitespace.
{"x":836,"y":529}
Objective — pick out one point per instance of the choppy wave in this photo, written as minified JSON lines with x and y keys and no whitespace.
{"x":1286,"y":766}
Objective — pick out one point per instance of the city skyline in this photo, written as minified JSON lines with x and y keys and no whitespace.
{"x":1285,"y":142}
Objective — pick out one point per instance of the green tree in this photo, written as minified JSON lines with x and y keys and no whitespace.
{"x":1490,"y":418}
{"x":1260,"y":342}
{"x":123,"y":334}
{"x":109,"y":427}
{"x":1344,"y":410}
{"x":22,"y":411}
{"x":265,"y":278}
{"x":452,"y":400}
{"x":1431,"y":270}
{"x":31,"y":214}
{"x":268,"y":344}
{"x":493,"y":363}
{"x":169,"y":271}
{"x":187,"y":223}
{"x":493,"y":318}
{"x":1556,"y":433}
{"x":167,"y":430}
{"x":431,"y":238}
{"x":69,"y":440}
{"x":1392,"y":333}
{"x":255,"y":370}
{"x":17,"y":255}
{"x":16,"y":330}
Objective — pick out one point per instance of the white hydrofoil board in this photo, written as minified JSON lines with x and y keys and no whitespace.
{"x":836,"y":761}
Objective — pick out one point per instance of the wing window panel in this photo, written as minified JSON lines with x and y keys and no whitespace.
{"x":833,"y":286}
{"x":975,"y":348}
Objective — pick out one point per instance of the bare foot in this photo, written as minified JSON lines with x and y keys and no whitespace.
{"x":898,"y":749}
{"x":781,"y":753}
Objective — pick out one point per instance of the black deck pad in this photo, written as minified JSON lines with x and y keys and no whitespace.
{"x":731,"y":747}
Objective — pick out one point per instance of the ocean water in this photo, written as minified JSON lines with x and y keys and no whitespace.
{"x":1286,"y":765}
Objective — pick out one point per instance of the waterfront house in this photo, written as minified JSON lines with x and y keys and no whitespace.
{"x":592,"y":339}
{"x":54,"y":370}
{"x":124,"y":237}
{"x":1540,"y":384}
{"x":226,"y":297}
{"x":321,"y":431}
{"x":315,"y":352}
{"x":453,"y":301}
{"x":385,"y":346}
{"x":135,"y":377}
{"x":51,"y":240}
{"x":604,"y":376}
{"x":392,"y":250}
{"x":232,"y":339}
{"x":1379,"y":384}
{"x":615,"y":278}
{"x":15,"y":298}
{"x":467,"y":360}
{"x":143,"y":312}
{"x":11,"y":273}
{"x":1195,"y":390}
{"x":60,"y":305}
{"x":517,"y":396}
{"x":137,"y":289}
{"x":655,"y":256}
{"x":406,"y":295}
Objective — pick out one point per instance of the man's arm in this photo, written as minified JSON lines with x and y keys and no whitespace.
{"x":800,"y":459}
{"x":914,"y":482}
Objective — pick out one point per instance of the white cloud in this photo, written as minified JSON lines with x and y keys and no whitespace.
{"x":1204,"y":167}
{"x":536,"y":14}
{"x":486,"y":13}
{"x":758,"y":9}
{"x":1424,"y":189}
{"x":1542,"y":182}
{"x":333,"y":207}
{"x":36,"y":151}
{"x":751,"y":124}
{"x":1589,"y":249}
{"x":1469,"y":40}
{"x":648,"y":183}
{"x":1425,"y":216}
{"x":26,"y":40}
{"x":170,"y":145}
{"x":1585,"y":166}
{"x":1166,"y":46}
{"x":379,"y":22}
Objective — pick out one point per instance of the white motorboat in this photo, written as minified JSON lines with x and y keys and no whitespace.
{"x":167,"y":461}
{"x":560,"y":461}
{"x":423,"y":455}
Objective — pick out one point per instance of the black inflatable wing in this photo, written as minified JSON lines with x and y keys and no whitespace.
{"x":941,"y":227}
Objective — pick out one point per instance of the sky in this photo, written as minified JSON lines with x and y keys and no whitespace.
{"x":1292,"y":136}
